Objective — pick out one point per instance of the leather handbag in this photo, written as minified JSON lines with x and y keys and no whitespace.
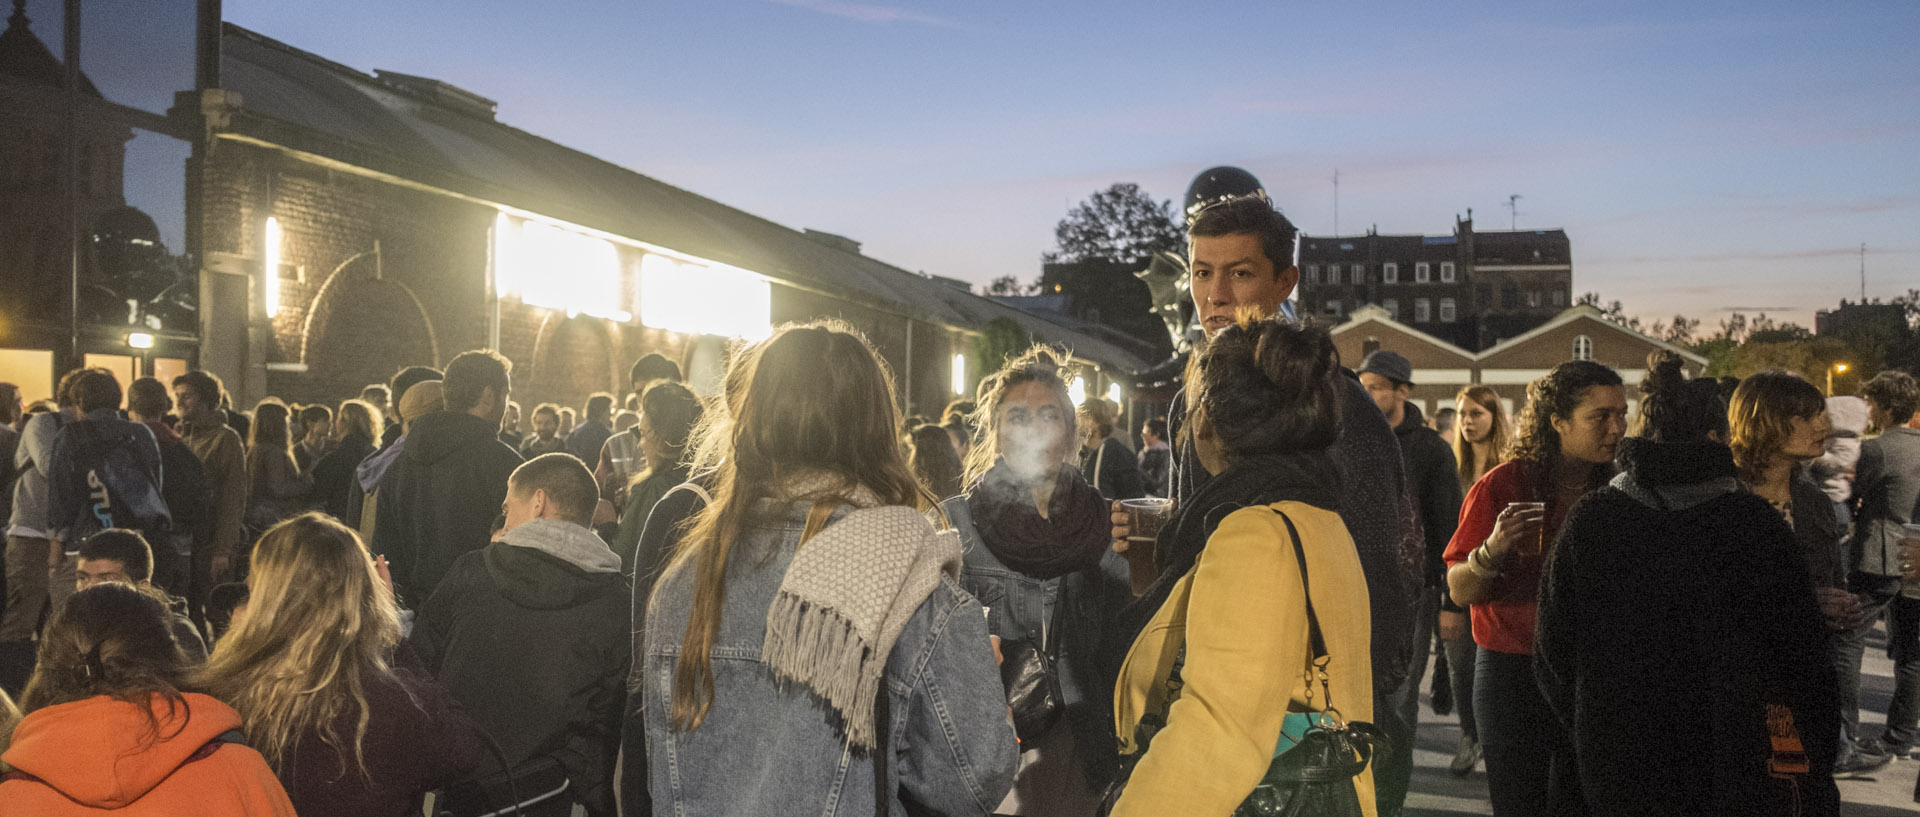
{"x":1030,"y":674}
{"x":1311,"y":776}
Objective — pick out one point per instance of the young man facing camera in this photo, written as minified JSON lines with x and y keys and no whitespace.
{"x":1240,"y":259}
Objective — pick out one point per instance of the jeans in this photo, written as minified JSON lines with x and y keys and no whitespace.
{"x":1462,"y":654}
{"x":1882,"y":594}
{"x":1530,"y":770}
{"x":1394,"y":773}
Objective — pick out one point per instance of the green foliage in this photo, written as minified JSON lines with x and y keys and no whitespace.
{"x":1121,"y":223}
{"x":999,"y":341}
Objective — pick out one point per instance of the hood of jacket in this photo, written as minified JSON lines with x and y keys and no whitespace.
{"x":444,"y":434}
{"x":1410,"y":419}
{"x":371,"y":469}
{"x":546,"y":564}
{"x":100,"y":752}
{"x":1675,"y":476}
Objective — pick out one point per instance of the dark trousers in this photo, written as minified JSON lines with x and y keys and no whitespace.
{"x":1881,"y":594}
{"x":1462,"y":655}
{"x":1530,"y":770}
{"x":1393,"y":772}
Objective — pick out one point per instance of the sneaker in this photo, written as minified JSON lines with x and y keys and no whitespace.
{"x":1881,"y":745}
{"x":1467,"y":756}
{"x":1861,"y":761}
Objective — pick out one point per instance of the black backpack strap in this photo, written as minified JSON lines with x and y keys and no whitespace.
{"x":1315,"y":638}
{"x":882,"y":728}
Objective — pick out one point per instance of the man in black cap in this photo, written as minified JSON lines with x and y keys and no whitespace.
{"x":1240,"y":258}
{"x":1433,"y":479}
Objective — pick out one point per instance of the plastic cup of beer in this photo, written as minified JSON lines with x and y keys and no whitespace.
{"x":1146,"y":517}
{"x":1538,"y":545}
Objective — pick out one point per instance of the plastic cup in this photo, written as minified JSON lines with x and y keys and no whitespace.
{"x":1538,"y":545}
{"x":1146,"y":517}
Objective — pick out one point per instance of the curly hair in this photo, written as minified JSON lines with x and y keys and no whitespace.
{"x":1556,"y":395}
{"x":1896,"y":393}
{"x":1266,"y":387}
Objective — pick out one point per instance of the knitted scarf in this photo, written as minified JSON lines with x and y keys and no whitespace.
{"x":1070,"y":538}
{"x":845,"y":598}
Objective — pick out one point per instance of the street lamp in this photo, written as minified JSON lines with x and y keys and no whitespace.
{"x":1837,"y":367}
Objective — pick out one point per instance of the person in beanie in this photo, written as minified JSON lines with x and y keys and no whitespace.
{"x":1432,"y":478}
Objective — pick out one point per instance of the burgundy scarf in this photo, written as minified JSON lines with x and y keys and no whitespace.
{"x":1072,"y":536}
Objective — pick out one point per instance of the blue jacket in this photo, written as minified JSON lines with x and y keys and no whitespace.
{"x":1018,"y":605}
{"x":768,"y":748}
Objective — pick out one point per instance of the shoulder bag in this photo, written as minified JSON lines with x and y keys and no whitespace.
{"x":1319,"y":752}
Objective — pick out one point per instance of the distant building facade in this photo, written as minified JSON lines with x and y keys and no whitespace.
{"x":1471,"y":289}
{"x":1855,"y":317}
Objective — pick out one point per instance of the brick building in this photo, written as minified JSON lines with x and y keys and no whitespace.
{"x":353,"y":223}
{"x":1471,"y":289}
{"x":1441,"y":369}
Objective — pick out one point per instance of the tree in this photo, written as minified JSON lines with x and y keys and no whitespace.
{"x":1121,"y":224}
{"x":999,"y":341}
{"x":1007,"y":285}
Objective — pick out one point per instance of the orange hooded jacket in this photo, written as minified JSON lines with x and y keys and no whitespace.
{"x":100,"y":753}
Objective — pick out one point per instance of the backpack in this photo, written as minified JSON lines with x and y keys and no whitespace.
{"x":123,"y":489}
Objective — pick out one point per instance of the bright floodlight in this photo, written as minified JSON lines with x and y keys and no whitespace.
{"x":1077,"y":390}
{"x":1113,"y":392}
{"x":960,"y":374}
{"x":140,"y":340}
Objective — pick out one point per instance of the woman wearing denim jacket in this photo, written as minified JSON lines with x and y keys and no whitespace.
{"x":1034,"y":536}
{"x":809,"y":650}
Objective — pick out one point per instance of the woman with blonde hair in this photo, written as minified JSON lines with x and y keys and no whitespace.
{"x":112,"y":723}
{"x":278,"y":488}
{"x":1034,"y":536}
{"x":811,"y":626}
{"x":1479,"y":441}
{"x":312,"y":668}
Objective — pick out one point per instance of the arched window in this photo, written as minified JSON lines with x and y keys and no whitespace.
{"x":1582,"y":348}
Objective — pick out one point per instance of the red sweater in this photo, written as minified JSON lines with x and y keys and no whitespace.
{"x":1504,"y":623}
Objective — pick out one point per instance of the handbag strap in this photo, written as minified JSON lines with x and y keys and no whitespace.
{"x":882,"y":728}
{"x":1315,"y":638}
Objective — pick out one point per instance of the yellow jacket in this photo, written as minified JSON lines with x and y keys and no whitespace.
{"x":1241,"y":615}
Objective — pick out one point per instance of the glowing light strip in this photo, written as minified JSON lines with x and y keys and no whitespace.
{"x":271,"y":286}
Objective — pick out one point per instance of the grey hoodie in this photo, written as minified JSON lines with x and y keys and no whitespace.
{"x":567,"y":542}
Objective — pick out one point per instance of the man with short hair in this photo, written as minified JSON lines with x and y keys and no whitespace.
{"x":1434,"y":480}
{"x":1886,"y":495}
{"x":510,"y":434}
{"x":545,"y":438}
{"x":184,"y":487}
{"x":223,"y":462}
{"x":104,"y":473}
{"x":121,"y":555}
{"x":619,"y":458}
{"x":316,"y":438}
{"x":1443,"y":423}
{"x":529,"y":633}
{"x":1240,"y":259}
{"x":1156,"y":456}
{"x":586,"y":439}
{"x":31,"y":558}
{"x":438,"y":499}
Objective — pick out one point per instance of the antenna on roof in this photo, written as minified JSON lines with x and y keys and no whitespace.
{"x":1513,"y":206}
{"x":1863,"y":272}
{"x":1336,"y":202}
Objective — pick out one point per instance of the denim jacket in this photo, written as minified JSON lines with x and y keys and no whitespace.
{"x":771,"y":748}
{"x":1019,"y":606}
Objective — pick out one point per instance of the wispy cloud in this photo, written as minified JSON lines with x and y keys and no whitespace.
{"x":1749,"y":257}
{"x":867,"y":12}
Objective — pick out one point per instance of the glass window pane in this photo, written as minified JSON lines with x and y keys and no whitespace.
{"x":31,"y":370}
{"x":138,"y":53}
{"x":125,"y":368}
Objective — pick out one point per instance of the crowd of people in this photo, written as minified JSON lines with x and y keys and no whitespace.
{"x":790,"y":598}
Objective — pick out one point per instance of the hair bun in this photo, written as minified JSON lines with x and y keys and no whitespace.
{"x":1666,"y":370}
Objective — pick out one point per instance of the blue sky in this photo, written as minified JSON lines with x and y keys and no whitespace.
{"x":1702,"y":156}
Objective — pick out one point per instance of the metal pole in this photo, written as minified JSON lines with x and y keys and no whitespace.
{"x":70,"y":169}
{"x":906,"y":391}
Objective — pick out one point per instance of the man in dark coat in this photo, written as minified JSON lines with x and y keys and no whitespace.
{"x":1241,"y":258}
{"x":439,"y":499}
{"x":530,"y":633}
{"x":1433,"y":479}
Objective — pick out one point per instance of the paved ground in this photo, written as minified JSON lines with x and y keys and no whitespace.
{"x":1437,"y":793}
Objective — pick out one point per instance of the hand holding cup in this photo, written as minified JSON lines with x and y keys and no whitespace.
{"x":1518,"y":528}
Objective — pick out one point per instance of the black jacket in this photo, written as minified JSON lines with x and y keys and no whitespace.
{"x":1434,"y":481}
{"x":440,"y":498}
{"x":1680,"y":645}
{"x":1113,"y":470}
{"x":333,"y":482}
{"x":535,"y":650}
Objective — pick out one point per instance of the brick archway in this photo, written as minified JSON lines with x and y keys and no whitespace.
{"x":349,"y":275}
{"x":572,"y":358}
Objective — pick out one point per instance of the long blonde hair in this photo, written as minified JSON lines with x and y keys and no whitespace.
{"x":1497,"y":437}
{"x":317,"y":634}
{"x":1041,"y":364}
{"x":814,"y":398}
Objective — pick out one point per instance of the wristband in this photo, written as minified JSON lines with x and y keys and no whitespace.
{"x":1481,"y":565}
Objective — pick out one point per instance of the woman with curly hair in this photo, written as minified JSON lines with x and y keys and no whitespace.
{"x":1567,"y":434}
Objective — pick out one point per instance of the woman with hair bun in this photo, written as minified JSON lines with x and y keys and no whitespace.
{"x":1563,"y":448}
{"x":1679,"y":642}
{"x":1215,"y":685}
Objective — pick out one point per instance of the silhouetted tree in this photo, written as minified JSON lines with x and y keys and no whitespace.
{"x":1007,"y":285}
{"x":999,"y":340}
{"x":1121,"y":223}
